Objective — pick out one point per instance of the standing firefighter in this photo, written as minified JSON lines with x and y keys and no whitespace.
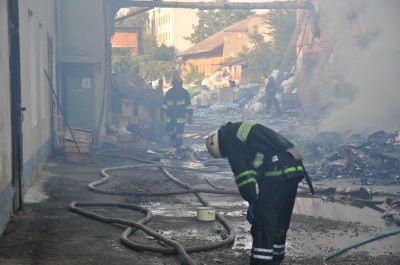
{"x":270,"y":92}
{"x":260,"y":156}
{"x":176,"y":106}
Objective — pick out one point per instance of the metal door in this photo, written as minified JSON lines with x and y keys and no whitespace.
{"x":80,"y":100}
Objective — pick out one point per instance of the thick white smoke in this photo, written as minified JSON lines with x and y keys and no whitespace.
{"x":374,"y":73}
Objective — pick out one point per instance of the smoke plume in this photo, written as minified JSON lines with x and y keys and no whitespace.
{"x":372,"y":75}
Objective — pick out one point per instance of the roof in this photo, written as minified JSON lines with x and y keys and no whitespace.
{"x":124,"y":39}
{"x":215,"y":41}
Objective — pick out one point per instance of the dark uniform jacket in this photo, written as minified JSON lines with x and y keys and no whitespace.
{"x":256,"y":154}
{"x":177,"y":104}
{"x":271,"y":89}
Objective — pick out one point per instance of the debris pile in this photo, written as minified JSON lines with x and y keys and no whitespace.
{"x":134,"y":112}
{"x":374,"y":160}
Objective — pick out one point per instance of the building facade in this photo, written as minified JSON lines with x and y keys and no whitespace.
{"x":170,"y":25}
{"x":54,"y":71}
{"x":221,"y":50}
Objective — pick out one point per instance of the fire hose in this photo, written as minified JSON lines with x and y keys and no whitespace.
{"x":359,"y":244}
{"x":175,"y":248}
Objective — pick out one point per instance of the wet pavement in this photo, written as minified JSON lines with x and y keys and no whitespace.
{"x":319,"y":226}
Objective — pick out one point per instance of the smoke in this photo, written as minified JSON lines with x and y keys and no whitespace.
{"x":371,"y":77}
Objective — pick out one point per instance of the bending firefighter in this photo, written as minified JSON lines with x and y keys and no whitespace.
{"x":176,"y":105}
{"x":260,"y":156}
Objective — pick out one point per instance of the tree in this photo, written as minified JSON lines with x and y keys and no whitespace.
{"x":258,"y":58}
{"x":213,"y":21}
{"x":263,"y":57}
{"x":282,"y":24}
{"x":152,"y":61}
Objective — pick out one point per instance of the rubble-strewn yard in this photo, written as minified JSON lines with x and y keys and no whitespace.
{"x":47,"y":232}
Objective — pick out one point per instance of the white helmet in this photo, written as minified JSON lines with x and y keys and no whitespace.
{"x":212,"y":145}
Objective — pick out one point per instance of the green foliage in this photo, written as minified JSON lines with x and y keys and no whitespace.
{"x":152,"y":62}
{"x":263,"y":57}
{"x":193,"y":91}
{"x":193,"y":76}
{"x":282,"y":24}
{"x":147,"y":67}
{"x":213,"y":21}
{"x":245,"y":92}
{"x":258,"y":58}
{"x":122,"y":61}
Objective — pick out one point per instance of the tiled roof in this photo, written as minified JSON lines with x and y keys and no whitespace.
{"x":124,"y":39}
{"x":215,"y":41}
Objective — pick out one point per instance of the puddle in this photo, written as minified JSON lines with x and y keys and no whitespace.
{"x":337,"y":211}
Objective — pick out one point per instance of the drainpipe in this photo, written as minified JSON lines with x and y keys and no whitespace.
{"x":16,"y":109}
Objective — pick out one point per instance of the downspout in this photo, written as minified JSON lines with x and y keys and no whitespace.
{"x":16,"y":109}
{"x":107,"y":63}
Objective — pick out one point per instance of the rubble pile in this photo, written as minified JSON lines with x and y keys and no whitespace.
{"x":220,"y":92}
{"x":375,"y":160}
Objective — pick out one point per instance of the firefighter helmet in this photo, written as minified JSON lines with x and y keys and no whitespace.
{"x":212,"y":145}
{"x":177,"y":80}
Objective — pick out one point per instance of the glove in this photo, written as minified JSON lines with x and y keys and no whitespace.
{"x":190,"y":119}
{"x":250,"y":213}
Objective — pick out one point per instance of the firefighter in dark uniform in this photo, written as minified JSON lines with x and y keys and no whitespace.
{"x":260,"y":156}
{"x":176,"y":106}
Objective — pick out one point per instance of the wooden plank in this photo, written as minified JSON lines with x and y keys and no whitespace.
{"x":70,"y":147}
{"x":81,"y":135}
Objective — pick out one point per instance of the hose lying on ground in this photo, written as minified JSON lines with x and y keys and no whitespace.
{"x":176,"y":248}
{"x":359,"y":244}
{"x":92,"y":185}
{"x":140,"y":225}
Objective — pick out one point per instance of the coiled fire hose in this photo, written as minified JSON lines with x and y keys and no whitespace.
{"x":175,"y":248}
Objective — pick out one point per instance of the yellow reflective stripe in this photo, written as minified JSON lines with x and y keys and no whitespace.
{"x":285,"y":171}
{"x":170,"y":102}
{"x":246,"y":181}
{"x":180,"y":102}
{"x":245,"y":173}
{"x":167,"y":119}
{"x":244,"y":130}
{"x":188,"y":107}
{"x":181,"y":120}
{"x":258,"y":160}
{"x":164,"y":106}
{"x":248,"y":172}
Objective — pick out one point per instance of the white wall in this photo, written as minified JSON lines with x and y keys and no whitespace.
{"x":36,"y":25}
{"x":5,"y":121}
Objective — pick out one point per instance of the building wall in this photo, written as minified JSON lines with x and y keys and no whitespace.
{"x":83,"y":46}
{"x":207,"y":64}
{"x":36,"y":27}
{"x":6,"y":191}
{"x":126,"y":40}
{"x":172,"y":24}
{"x":183,"y":21}
{"x":234,"y":42}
